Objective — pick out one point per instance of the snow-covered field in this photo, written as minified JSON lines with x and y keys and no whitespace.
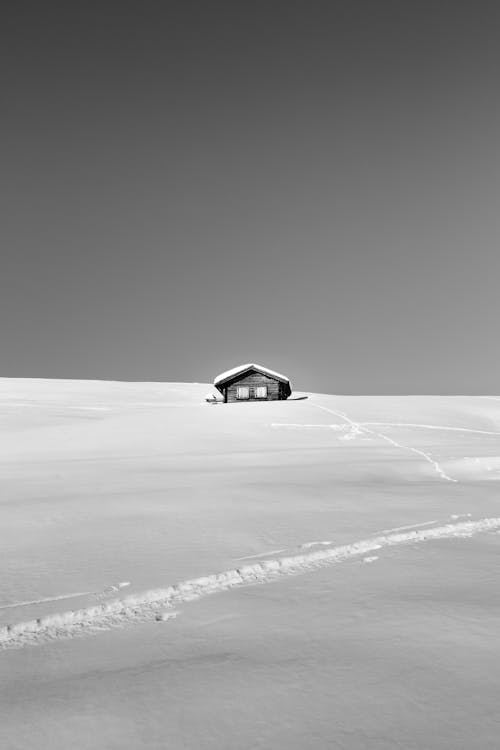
{"x":315,"y":573}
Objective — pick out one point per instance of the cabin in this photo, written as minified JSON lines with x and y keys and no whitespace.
{"x":252,"y":382}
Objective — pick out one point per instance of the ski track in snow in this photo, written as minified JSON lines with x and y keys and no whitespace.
{"x":357,"y":428}
{"x":262,"y":554}
{"x":421,"y":524}
{"x":155,"y":604}
{"x":46,"y":599}
{"x":410,"y":526}
{"x":99,"y":594}
{"x":299,"y":425}
{"x":430,"y":427}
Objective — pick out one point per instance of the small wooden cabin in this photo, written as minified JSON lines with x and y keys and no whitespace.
{"x":252,"y":382}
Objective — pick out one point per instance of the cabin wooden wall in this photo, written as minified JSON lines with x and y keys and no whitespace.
{"x":252,"y":380}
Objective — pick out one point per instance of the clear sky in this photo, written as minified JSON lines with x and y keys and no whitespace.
{"x":310,"y":185}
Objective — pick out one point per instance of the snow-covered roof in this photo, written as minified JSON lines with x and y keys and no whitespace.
{"x":249,"y":366}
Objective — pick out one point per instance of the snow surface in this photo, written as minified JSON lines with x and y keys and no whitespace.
{"x":179,"y":575}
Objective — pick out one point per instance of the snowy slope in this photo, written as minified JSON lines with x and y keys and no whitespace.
{"x":348,"y":544}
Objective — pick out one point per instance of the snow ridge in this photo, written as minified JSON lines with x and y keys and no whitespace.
{"x":149,"y":605}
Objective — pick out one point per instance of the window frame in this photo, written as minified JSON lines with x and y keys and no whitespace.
{"x":240,"y":388}
{"x":261,"y":388}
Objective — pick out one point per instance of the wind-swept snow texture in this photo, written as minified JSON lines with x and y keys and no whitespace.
{"x":119,"y":502}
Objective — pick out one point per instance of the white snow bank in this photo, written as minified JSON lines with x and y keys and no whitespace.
{"x":475,"y":468}
{"x":150,"y":604}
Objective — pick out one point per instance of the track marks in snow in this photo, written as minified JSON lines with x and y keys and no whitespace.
{"x":46,"y":599}
{"x":350,"y":431}
{"x":342,"y":426}
{"x":430,"y":427}
{"x":412,"y":526}
{"x":303,"y":426}
{"x":261,"y":555}
{"x":60,"y":597}
{"x":422,"y":524}
{"x":358,"y":427}
{"x":353,"y":429}
{"x":112,"y":589}
{"x":146,"y":606}
{"x":166,"y":615}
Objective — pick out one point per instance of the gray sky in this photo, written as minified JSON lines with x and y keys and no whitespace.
{"x":313,"y":186}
